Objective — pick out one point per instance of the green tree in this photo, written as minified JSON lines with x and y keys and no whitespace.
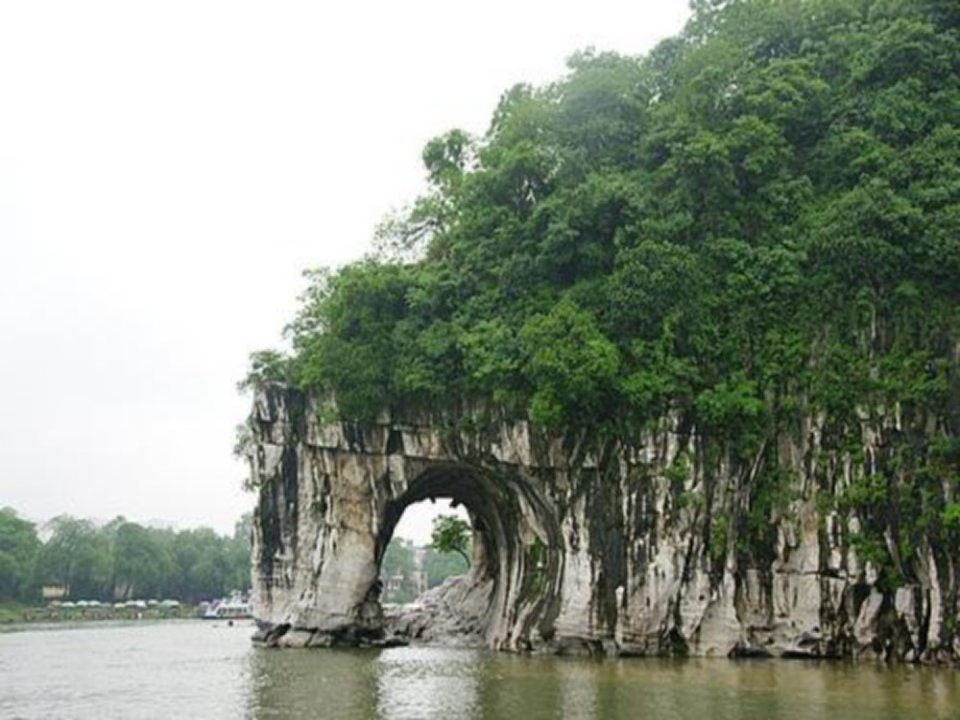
{"x":203,"y":569}
{"x":265,"y":366}
{"x":451,"y":534}
{"x":238,"y":553}
{"x":77,"y":557}
{"x":143,"y":562}
{"x":18,"y":550}
{"x":572,"y":365}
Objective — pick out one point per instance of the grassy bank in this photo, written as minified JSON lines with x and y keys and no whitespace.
{"x":12,"y":612}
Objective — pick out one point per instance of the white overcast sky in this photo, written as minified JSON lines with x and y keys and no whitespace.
{"x":168,"y":169}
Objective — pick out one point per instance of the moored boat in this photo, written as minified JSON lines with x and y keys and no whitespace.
{"x":232,"y":609}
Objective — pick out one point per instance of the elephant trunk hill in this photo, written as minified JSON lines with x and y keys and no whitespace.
{"x":680,"y":331}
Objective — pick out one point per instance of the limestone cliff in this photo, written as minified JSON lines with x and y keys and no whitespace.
{"x":583,"y":545}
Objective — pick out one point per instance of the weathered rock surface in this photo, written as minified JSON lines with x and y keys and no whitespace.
{"x":452,"y":614}
{"x":587,"y":546}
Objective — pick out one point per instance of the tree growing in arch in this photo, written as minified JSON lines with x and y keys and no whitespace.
{"x":451,"y":534}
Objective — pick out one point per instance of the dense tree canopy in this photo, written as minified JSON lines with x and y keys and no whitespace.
{"x":763,"y":205}
{"x":758,"y":220}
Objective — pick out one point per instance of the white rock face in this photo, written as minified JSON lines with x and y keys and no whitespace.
{"x":580,"y":546}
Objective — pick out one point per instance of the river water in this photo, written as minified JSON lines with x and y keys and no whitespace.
{"x":191,"y":669}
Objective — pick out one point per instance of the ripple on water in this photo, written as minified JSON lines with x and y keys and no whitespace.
{"x":196,"y":670}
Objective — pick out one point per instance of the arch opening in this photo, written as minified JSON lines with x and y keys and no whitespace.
{"x":411,"y":564}
{"x":514,"y":560}
{"x":462,"y":609}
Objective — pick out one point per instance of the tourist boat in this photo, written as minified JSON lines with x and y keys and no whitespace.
{"x":232,"y":609}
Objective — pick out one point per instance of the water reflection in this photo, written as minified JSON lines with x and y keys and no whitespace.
{"x":196,"y":670}
{"x":427,"y":683}
{"x":578,"y":688}
{"x":334,"y":684}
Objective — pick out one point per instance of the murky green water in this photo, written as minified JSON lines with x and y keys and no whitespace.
{"x":196,"y":670}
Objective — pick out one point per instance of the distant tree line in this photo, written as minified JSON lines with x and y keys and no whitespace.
{"x":120,"y":560}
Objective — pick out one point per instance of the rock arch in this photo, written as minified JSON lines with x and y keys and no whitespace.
{"x":330,"y":496}
{"x":590,"y":546}
{"x":507,"y":515}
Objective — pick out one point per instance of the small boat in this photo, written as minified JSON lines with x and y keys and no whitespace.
{"x":232,"y":609}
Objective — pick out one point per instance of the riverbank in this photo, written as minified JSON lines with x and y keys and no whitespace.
{"x":12,"y":612}
{"x":15,"y":613}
